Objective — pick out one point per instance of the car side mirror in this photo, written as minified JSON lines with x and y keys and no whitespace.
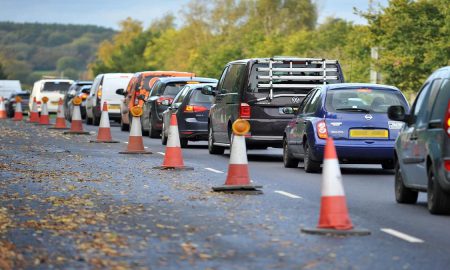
{"x":120,"y":92}
{"x":174,"y":106}
{"x":86,"y":91}
{"x":208,"y":90}
{"x":166,"y":102}
{"x":397,"y":113}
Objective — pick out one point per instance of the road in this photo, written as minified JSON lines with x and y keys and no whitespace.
{"x":69,"y":203}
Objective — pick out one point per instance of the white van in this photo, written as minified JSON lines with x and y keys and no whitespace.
{"x":104,"y":89}
{"x":8,"y":87}
{"x":54,"y":89}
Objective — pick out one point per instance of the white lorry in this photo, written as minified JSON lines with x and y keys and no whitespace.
{"x":7,"y":87}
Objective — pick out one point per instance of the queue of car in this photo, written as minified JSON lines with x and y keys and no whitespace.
{"x":291,"y":103}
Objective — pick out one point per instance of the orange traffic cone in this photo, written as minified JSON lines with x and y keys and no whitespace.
{"x":334,"y":217}
{"x":173,"y":159}
{"x":34,"y":114}
{"x":2,"y":109}
{"x":238,"y":177}
{"x":18,"y":114}
{"x":44,"y":119}
{"x":104,"y":130}
{"x":135,"y":141}
{"x":60,"y":118}
{"x":76,"y":126}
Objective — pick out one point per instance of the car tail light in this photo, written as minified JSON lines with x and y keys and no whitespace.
{"x":244,"y":111}
{"x":195,"y":108}
{"x":447,"y":120}
{"x":160,"y":100}
{"x":322,"y":131}
{"x":38,"y":102}
{"x":447,"y":164}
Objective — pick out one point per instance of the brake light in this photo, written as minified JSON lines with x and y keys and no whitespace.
{"x":160,"y":100}
{"x":447,"y":164}
{"x":322,"y":131}
{"x":447,"y":120}
{"x":244,"y":111}
{"x":195,"y":108}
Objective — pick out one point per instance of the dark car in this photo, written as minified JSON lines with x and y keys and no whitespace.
{"x":354,"y":115}
{"x":70,"y":94}
{"x":161,"y":96}
{"x":422,"y":149}
{"x":83,"y":93}
{"x":10,"y":103}
{"x":264,"y":91}
{"x":191,"y":107}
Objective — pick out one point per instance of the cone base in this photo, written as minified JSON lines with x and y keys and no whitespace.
{"x":77,"y":132}
{"x":46,"y":124}
{"x":181,"y":168}
{"x":351,"y":232}
{"x":136,"y":152}
{"x":97,"y":141}
{"x":16,"y":120}
{"x":62,"y":128}
{"x":236,"y":188}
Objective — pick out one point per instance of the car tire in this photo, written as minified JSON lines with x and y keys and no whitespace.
{"x":438,"y":201}
{"x":163,"y":136}
{"x":88,"y":121}
{"x":124,"y":127}
{"x":402,"y":193}
{"x":213,"y":149}
{"x":152,"y":133}
{"x":288,"y":160}
{"x":95,"y":120}
{"x":311,"y":166}
{"x":388,"y":165}
{"x":183,"y":142}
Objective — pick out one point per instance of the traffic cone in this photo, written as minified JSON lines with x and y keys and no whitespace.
{"x":104,"y":130}
{"x":44,"y":119}
{"x":334,"y":217}
{"x":135,"y":141}
{"x":238,"y":177}
{"x":2,"y":109}
{"x":76,"y":126}
{"x":173,"y":159}
{"x":34,"y":114}
{"x":60,"y":118}
{"x":18,"y":114}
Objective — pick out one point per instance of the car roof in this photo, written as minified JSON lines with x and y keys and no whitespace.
{"x":183,"y":79}
{"x":200,"y":85}
{"x":443,"y":72}
{"x":162,"y":72}
{"x":245,"y":61}
{"x":115,"y":75}
{"x":337,"y":86}
{"x":19,"y":92}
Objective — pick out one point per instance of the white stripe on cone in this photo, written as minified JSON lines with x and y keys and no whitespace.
{"x":18,"y":107}
{"x":174,"y":137}
{"x":2,"y":105}
{"x":34,"y":107}
{"x":238,"y":152}
{"x":60,"y":113}
{"x":135,"y":129}
{"x":332,"y":179}
{"x":76,"y":114}
{"x":44,"y":110}
{"x":104,"y":120}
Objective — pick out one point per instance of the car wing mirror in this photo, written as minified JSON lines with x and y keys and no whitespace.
{"x":120,"y":92}
{"x":208,"y":90}
{"x":397,"y":113}
{"x":166,"y":102}
{"x":174,"y":106}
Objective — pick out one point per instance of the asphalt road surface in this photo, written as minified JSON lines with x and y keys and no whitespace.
{"x":66,"y":203}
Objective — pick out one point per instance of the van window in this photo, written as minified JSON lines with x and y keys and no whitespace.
{"x":442,"y":99}
{"x":233,"y":79}
{"x":55,"y":86}
{"x":222,"y":79}
{"x":434,"y":92}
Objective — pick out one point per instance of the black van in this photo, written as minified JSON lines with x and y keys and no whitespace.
{"x":266,"y":92}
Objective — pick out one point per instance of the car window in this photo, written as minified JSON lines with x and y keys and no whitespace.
{"x":419,"y":110}
{"x":56,"y":86}
{"x":222,"y":79}
{"x":314,"y":103}
{"x":368,"y":100}
{"x":302,"y":107}
{"x":233,"y":79}
{"x":198,"y":97}
{"x":434,"y":91}
{"x":441,"y":101}
{"x":155,"y":88}
{"x":172,"y":89}
{"x":181,"y":95}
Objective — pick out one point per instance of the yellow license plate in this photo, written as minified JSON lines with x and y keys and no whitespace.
{"x":54,"y":102}
{"x":113,"y":107}
{"x":369,"y":133}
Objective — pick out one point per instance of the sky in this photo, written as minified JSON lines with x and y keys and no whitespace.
{"x":109,"y":13}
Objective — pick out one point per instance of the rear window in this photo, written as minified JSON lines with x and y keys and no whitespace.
{"x":442,"y":99}
{"x":27,"y":95}
{"x":172,"y":89}
{"x":198,"y":97}
{"x":56,"y":86}
{"x":363,"y":100}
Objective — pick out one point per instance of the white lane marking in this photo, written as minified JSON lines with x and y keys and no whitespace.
{"x":402,"y":236}
{"x":125,"y":142}
{"x":145,"y":147}
{"x":213,"y":170}
{"x":162,"y":153}
{"x":290,"y":195}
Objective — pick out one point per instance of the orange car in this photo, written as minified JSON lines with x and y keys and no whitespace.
{"x":140,"y":85}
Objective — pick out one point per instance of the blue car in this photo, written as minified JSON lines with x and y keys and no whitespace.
{"x":354,"y":115}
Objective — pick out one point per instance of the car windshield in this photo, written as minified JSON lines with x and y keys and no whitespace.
{"x":56,"y":86}
{"x":172,"y":89}
{"x":198,"y":97}
{"x":366,"y":100}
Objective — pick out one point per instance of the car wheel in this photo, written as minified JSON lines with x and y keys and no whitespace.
{"x":152,"y":133}
{"x":438,"y":200}
{"x":183,"y":142}
{"x":163,"y":136}
{"x":88,"y":121}
{"x":95,"y":120}
{"x":213,"y":149}
{"x":402,"y":193}
{"x":123,"y":126}
{"x":311,"y":166}
{"x":288,"y":160}
{"x":387,"y":165}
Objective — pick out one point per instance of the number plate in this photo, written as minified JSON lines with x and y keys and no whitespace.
{"x":369,"y":133}
{"x":113,"y":107}
{"x":54,"y":102}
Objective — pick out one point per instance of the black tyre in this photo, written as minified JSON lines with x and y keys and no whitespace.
{"x":311,"y":166}
{"x":288,"y":160}
{"x":183,"y":142}
{"x":123,"y":126}
{"x":152,"y":132}
{"x":88,"y":121}
{"x":438,"y":200}
{"x":402,"y":193}
{"x":213,"y":149}
{"x":95,"y":120}
{"x":388,"y":165}
{"x":163,"y":136}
